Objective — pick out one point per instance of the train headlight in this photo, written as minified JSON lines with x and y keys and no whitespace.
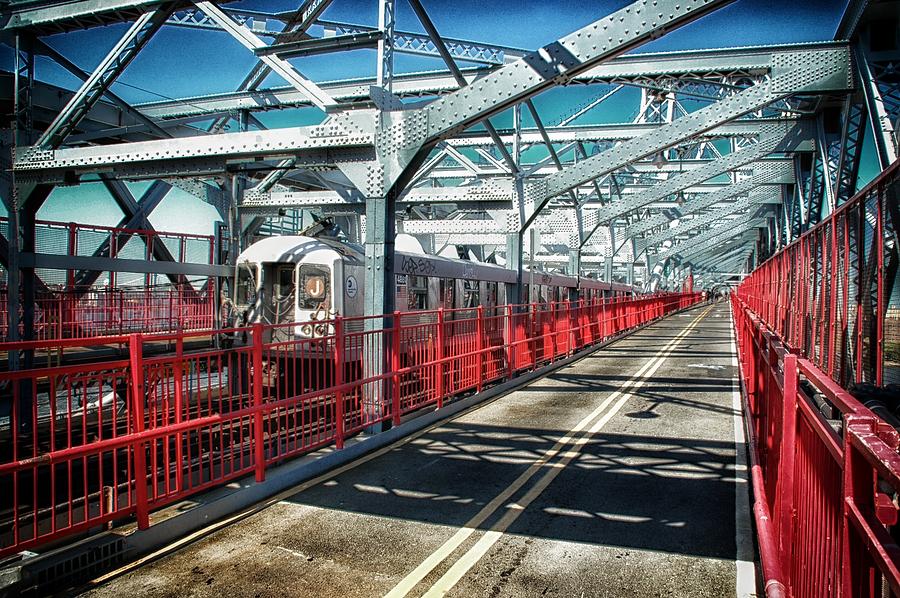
{"x":306,"y":330}
{"x":321,"y":329}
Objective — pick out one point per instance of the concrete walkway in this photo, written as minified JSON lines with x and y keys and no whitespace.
{"x":615,"y":476}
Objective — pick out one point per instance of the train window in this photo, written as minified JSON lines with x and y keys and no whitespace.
{"x":245,"y":288}
{"x":314,"y":282}
{"x":284,"y":282}
{"x":470,"y":293}
{"x":491,"y":290}
{"x":447,"y":292}
{"x":417,"y":292}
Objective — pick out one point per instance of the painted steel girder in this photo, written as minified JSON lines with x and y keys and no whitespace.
{"x":53,"y":16}
{"x":496,"y":193}
{"x":768,"y":172}
{"x":709,"y":238}
{"x":772,"y":138}
{"x":99,"y":81}
{"x":798,"y":72}
{"x":720,"y":64}
{"x":558,"y":62}
{"x":315,"y":146}
{"x":750,"y":203}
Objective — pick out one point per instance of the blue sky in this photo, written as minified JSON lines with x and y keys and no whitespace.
{"x":180,"y":63}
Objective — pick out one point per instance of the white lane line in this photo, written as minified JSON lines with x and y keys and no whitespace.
{"x":459,"y":569}
{"x":471,"y":526}
{"x":745,"y":578}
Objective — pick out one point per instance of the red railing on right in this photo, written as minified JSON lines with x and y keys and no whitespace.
{"x":825,"y":472}
{"x":833,"y":295}
{"x":84,"y":445}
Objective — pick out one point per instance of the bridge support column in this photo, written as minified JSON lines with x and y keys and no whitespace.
{"x":379,"y":301}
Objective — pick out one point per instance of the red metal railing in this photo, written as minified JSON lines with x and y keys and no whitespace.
{"x":114,"y":311}
{"x":128,"y":302}
{"x":825,"y":473}
{"x":76,"y":239}
{"x":833,"y":295}
{"x":86,"y":445}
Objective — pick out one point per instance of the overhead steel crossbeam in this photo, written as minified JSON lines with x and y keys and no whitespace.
{"x":772,"y":138}
{"x":708,"y":238}
{"x":417,"y":44}
{"x":559,"y":62}
{"x":249,"y":40}
{"x":553,"y":65}
{"x":792,"y":73}
{"x":106,"y":72}
{"x":729,"y":64}
{"x":748,"y":205}
{"x":55,"y":16}
{"x":764,"y":173}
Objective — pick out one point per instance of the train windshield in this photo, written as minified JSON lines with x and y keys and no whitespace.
{"x":314,"y":287}
{"x":246,"y":285}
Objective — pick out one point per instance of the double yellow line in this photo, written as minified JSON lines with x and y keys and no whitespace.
{"x":566,"y":448}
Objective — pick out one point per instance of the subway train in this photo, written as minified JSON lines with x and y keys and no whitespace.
{"x":310,"y":280}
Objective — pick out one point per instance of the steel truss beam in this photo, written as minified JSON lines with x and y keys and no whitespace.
{"x":720,"y":64}
{"x":815,"y":72}
{"x":106,"y":72}
{"x":748,"y":205}
{"x":772,"y":138}
{"x":764,"y":173}
{"x":707,"y":239}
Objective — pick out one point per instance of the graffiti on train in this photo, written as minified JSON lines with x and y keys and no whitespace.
{"x":417,"y":266}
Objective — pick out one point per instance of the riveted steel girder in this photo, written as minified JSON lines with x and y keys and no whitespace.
{"x":493,"y":194}
{"x":749,"y":203}
{"x":800,"y":72}
{"x":764,"y":173}
{"x":772,"y":138}
{"x":557,"y":63}
{"x":718,"y":64}
{"x":709,"y":238}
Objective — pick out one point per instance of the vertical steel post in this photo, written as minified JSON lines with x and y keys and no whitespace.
{"x":178,"y":372}
{"x":339,"y":359}
{"x":479,"y":347}
{"x":259,"y":447}
{"x":788,"y":442}
{"x":441,"y":339}
{"x":395,"y":369}
{"x":136,"y":362}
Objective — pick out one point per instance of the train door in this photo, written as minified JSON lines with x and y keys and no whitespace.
{"x":417,"y":293}
{"x":283,"y":294}
{"x":448,"y":293}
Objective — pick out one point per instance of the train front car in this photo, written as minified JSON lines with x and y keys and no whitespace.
{"x":296,"y":286}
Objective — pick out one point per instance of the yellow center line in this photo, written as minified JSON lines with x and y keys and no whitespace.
{"x":465,"y":563}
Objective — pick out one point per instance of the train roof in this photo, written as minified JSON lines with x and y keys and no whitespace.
{"x":294,"y":248}
{"x":297,"y":248}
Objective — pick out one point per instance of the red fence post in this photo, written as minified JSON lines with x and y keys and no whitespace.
{"x":439,"y":387}
{"x":510,"y":342}
{"x":178,"y":370}
{"x":259,"y":447}
{"x":339,"y":357}
{"x":479,"y":347}
{"x":136,"y":359}
{"x":395,"y":368}
{"x":786,"y":460}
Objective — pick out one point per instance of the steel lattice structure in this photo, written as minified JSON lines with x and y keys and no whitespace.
{"x":731,"y":154}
